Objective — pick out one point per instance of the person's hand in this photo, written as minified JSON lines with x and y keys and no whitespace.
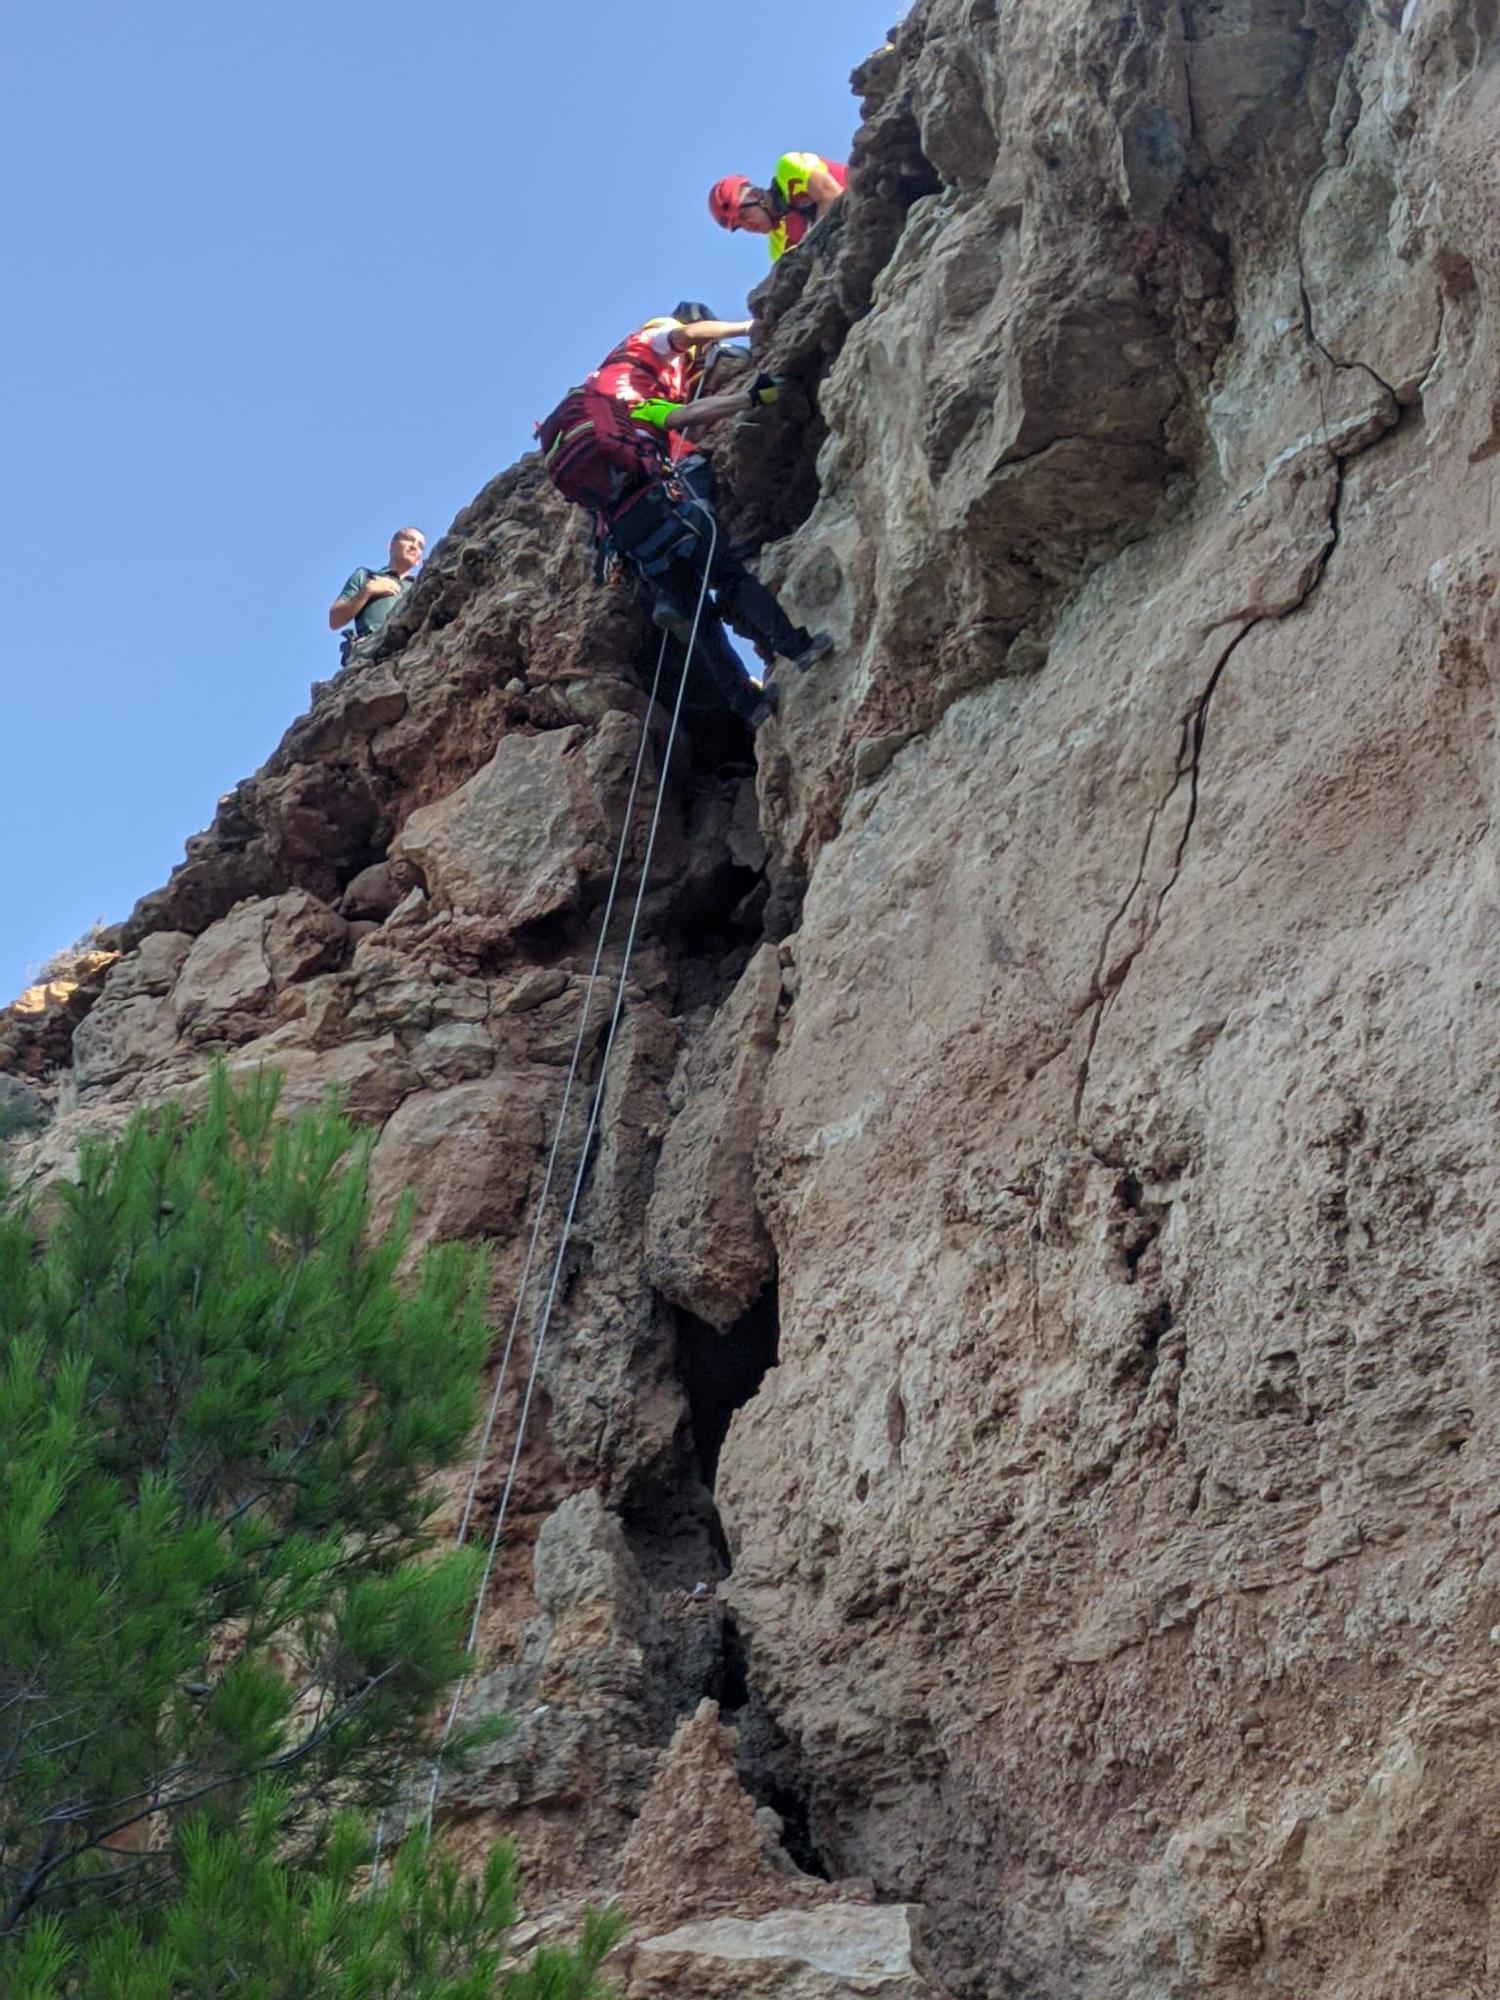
{"x":382,"y":586}
{"x":653,"y":411}
{"x":764,"y":389}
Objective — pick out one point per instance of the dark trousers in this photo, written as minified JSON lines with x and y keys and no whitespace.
{"x":670,"y":540}
{"x":743,"y":599}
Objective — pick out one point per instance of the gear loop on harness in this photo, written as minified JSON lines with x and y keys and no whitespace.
{"x":666,"y":535}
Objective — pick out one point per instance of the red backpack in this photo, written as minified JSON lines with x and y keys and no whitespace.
{"x":593,"y":454}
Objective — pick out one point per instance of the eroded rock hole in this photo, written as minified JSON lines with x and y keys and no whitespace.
{"x":673,"y":1530}
{"x":696,"y":1648}
{"x":770,"y":1768}
{"x":720,"y":1372}
{"x":669,"y":1516}
{"x":1155,"y":1327}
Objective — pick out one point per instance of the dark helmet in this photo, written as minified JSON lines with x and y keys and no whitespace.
{"x":688,"y":310}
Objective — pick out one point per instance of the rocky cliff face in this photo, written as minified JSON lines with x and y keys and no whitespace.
{"x":1026,"y":1350}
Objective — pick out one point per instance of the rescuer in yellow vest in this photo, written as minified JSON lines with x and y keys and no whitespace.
{"x":803,"y":189}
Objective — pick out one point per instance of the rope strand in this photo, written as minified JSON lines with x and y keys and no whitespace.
{"x":539,"y":1217}
{"x":580,"y":1174}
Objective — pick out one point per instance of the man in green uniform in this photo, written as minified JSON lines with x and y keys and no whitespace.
{"x":371,"y":595}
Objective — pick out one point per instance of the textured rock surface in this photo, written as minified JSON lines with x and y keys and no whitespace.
{"x":827,"y":1954}
{"x":518,"y":838}
{"x":701,"y":1844}
{"x":706,"y":1246}
{"x":1056,"y":1144}
{"x":1114,"y":1535}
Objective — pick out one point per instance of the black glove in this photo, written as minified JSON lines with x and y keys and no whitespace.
{"x":765,"y":389}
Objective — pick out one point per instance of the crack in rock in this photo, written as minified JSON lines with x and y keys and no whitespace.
{"x":1107,"y":985}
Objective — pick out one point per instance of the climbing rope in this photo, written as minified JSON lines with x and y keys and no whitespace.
{"x":539,"y":1217}
{"x":583,"y":1016}
{"x":557,"y":1136}
{"x":581,"y":1171}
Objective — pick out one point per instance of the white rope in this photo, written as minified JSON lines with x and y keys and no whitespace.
{"x":574,"y":1063}
{"x":580,"y":1174}
{"x":573,"y":1066}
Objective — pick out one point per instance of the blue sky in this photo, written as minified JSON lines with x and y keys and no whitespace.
{"x":281,"y":279}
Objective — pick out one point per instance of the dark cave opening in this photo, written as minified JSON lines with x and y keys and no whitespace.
{"x":720,"y":1372}
{"x":670,"y":1517}
{"x":672,"y":1524}
{"x":770,"y":1769}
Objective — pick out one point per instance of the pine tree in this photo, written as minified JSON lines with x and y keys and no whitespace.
{"x":222,"y":1613}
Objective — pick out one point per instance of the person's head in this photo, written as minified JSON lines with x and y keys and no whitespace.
{"x":407,"y":547}
{"x":689,"y":311}
{"x":736,"y":203}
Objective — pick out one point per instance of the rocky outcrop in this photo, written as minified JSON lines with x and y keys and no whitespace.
{"x":826,"y":1954}
{"x":1102,"y":1536}
{"x":1023,"y":1347}
{"x":37,"y":1029}
{"x":706,"y":1247}
{"x":701,"y":1845}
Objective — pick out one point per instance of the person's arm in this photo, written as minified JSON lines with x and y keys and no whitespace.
{"x":657,"y":414}
{"x":823,"y":190}
{"x":804,"y":177}
{"x":707,"y":410}
{"x":356,"y":596}
{"x":698,"y":332}
{"x":686,"y":417}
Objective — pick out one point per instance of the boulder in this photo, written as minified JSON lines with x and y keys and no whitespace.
{"x":372,"y":894}
{"x":469,"y":1152}
{"x":225,"y":986}
{"x":518,"y":840}
{"x":120,"y":1038}
{"x":303,"y":937}
{"x":841,"y":1951}
{"x":454,"y":1052}
{"x":706,"y":1245}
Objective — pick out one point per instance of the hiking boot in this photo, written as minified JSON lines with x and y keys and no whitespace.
{"x":811,"y":651}
{"x":764,"y":704}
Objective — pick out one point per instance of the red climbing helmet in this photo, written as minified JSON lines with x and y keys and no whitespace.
{"x":724,"y":199}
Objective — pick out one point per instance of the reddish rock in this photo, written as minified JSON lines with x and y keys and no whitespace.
{"x":1093,"y":1047}
{"x":303,"y":937}
{"x":371,"y":895}
{"x":700,"y":1846}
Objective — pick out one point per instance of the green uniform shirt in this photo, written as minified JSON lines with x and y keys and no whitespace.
{"x":378,"y":609}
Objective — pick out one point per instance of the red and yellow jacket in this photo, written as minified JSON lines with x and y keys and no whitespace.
{"x":789,"y":185}
{"x":647,"y":372}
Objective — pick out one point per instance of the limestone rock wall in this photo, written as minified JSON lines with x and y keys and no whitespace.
{"x":1115,"y":1536}
{"x":1026,"y":1352}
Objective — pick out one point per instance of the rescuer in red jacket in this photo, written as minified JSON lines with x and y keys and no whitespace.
{"x":657,"y":369}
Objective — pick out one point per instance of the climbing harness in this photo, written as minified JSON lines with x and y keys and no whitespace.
{"x":581,"y":1171}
